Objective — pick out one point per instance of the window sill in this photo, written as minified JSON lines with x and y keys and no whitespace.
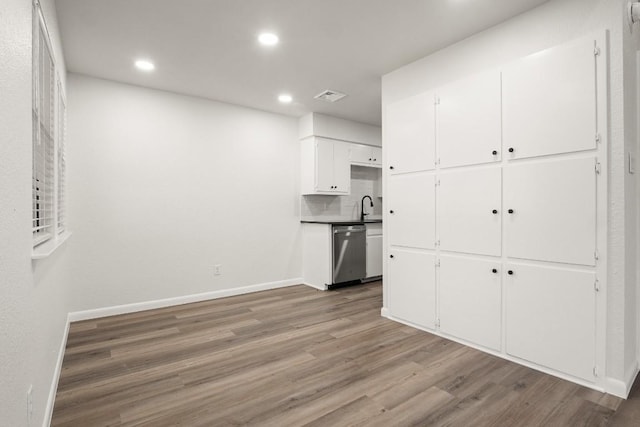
{"x":44,"y":250}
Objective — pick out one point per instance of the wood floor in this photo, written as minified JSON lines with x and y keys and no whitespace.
{"x":296,"y":356}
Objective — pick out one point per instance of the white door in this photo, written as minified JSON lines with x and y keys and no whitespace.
{"x":551,"y":211}
{"x":549,"y":101}
{"x":469,"y":121}
{"x":411,"y":208}
{"x":374,"y":255}
{"x":469,"y":211}
{"x":341,"y":168}
{"x":410,"y":134}
{"x":470,"y":299}
{"x":550,"y":317}
{"x":411,"y":287}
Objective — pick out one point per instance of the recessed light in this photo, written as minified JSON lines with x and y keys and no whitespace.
{"x":144,"y":65}
{"x":285,"y":98}
{"x":268,"y":39}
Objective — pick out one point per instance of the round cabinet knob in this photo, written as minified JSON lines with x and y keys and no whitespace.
{"x":375,"y":160}
{"x":511,"y":149}
{"x":510,"y":211}
{"x":391,"y":167}
{"x":510,"y":272}
{"x":495,"y":211}
{"x":369,"y":158}
{"x":390,"y":256}
{"x":391,"y":211}
{"x":494,"y":271}
{"x":494,"y":152}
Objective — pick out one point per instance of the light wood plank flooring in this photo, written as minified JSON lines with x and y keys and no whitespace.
{"x":296,"y":356}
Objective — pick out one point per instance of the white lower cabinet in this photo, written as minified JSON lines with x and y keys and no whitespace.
{"x":550,"y":317}
{"x":469,"y":295}
{"x":412,"y":294}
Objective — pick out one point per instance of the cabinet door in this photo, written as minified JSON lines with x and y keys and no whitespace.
{"x":411,"y":287}
{"x":374,"y":256}
{"x":549,"y":101}
{"x":410,"y":134}
{"x":553,"y":211}
{"x":412,"y":206}
{"x":470,"y":300}
{"x":469,"y":121}
{"x":469,"y":211}
{"x":360,"y":154}
{"x":550,"y":318}
{"x":341,"y":168}
{"x":324,"y":165}
{"x":376,"y":155}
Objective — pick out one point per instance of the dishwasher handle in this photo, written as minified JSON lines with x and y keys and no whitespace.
{"x":353,"y":230}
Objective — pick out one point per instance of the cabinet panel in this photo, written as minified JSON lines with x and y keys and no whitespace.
{"x":412,"y":207}
{"x":550,"y":318}
{"x":470,"y":300}
{"x":411,"y":287}
{"x":374,"y":255}
{"x":341,"y":168}
{"x":410,"y":134}
{"x":554,"y":211}
{"x":469,"y":121}
{"x":549,"y":101}
{"x":324,"y":166}
{"x":469,"y":211}
{"x":365,"y":155}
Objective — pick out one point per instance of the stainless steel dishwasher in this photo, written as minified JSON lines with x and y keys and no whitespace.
{"x":349,"y":253}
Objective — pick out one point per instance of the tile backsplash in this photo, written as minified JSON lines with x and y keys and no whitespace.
{"x":364,"y":181}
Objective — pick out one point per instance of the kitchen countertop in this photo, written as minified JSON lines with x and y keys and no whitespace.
{"x":341,"y":221}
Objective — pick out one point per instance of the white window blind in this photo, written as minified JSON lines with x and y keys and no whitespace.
{"x":62,"y":167}
{"x":43,"y":137}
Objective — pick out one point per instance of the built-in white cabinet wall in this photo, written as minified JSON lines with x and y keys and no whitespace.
{"x":496,"y":209}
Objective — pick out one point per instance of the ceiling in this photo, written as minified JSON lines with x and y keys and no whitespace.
{"x":208,"y":48}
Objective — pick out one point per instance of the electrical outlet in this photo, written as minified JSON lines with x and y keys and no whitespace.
{"x":30,"y":403}
{"x":216,"y":269}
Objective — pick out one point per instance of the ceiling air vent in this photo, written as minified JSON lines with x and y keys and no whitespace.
{"x":330,"y":95}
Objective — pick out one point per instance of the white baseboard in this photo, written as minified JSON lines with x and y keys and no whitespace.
{"x":621,"y":388}
{"x":48,"y":410}
{"x":185,"y":299}
{"x":321,"y":288}
{"x":384,"y":312}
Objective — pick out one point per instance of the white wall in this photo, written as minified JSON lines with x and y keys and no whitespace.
{"x":33,"y":295}
{"x":163,"y":187}
{"x":551,"y":24}
{"x":316,"y":124}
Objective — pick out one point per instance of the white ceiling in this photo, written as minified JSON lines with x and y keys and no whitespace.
{"x":208,"y":48}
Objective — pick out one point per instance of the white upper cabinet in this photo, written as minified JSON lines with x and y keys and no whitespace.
{"x":549,"y":102}
{"x":469,"y":211}
{"x":410,"y":134}
{"x":469,"y":121}
{"x":412,"y":297}
{"x":550,"y":317}
{"x":551,"y":211}
{"x":470,"y":297}
{"x":365,"y":155}
{"x":325,"y":167}
{"x":411,"y":205}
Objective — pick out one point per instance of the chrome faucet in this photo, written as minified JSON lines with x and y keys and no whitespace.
{"x":362,"y":213}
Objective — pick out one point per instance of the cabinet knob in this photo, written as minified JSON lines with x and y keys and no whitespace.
{"x":510,"y":211}
{"x":375,"y":160}
{"x":391,"y":167}
{"x":510,"y":272}
{"x":494,"y":271}
{"x":369,"y":158}
{"x":390,"y":256}
{"x":391,"y":211}
{"x":494,"y":152}
{"x":511,"y":149}
{"x":495,"y":211}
